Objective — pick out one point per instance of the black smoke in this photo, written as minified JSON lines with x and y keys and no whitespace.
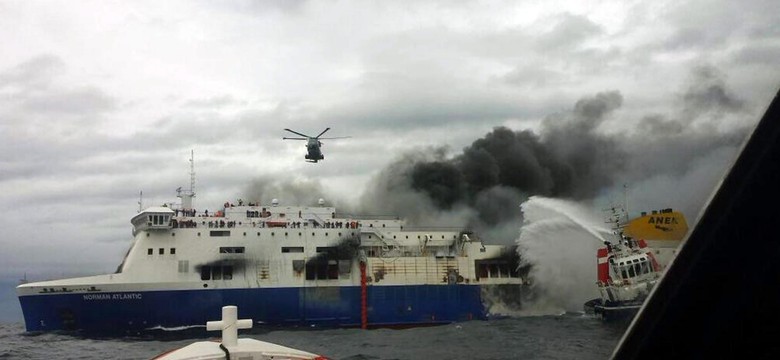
{"x":573,"y":155}
{"x":671,"y":157}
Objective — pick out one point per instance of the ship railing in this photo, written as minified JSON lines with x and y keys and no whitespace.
{"x":391,"y":248}
{"x":318,"y":220}
{"x":367,"y":217}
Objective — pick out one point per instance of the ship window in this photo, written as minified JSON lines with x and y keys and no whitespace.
{"x":298,"y":265}
{"x":333,"y":271}
{"x":219,"y":233}
{"x":216,"y":273}
{"x":205,"y":272}
{"x":645,"y":267}
{"x":149,"y":251}
{"x":311,"y":271}
{"x":173,"y":251}
{"x":161,"y":251}
{"x":322,"y":270}
{"x":637,"y":267}
{"x":326,"y":234}
{"x":231,"y":250}
{"x":325,"y":249}
{"x":227,"y":273}
{"x":631,"y":270}
{"x":482,"y":270}
{"x":292,"y":249}
{"x":184,"y":266}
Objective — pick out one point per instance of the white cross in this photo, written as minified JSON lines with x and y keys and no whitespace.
{"x":229,"y":325}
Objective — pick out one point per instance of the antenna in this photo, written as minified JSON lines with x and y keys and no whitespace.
{"x":625,"y":200}
{"x":141,"y":201}
{"x":192,"y":173}
{"x":187,"y":195}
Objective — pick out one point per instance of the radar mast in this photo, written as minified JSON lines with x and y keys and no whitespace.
{"x":187,"y":195}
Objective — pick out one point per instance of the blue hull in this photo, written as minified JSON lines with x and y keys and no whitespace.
{"x":137,"y":312}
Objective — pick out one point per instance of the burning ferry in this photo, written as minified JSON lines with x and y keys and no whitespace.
{"x":282,"y":265}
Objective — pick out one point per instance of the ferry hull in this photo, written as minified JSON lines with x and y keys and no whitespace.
{"x":141,"y":311}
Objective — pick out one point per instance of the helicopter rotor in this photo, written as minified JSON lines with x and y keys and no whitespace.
{"x":323,"y":131}
{"x":297,"y":133}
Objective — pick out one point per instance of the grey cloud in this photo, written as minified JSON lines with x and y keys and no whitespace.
{"x":214,"y":102}
{"x":708,"y":93}
{"x":86,"y":101}
{"x":568,"y":32}
{"x":33,"y":73}
{"x":760,"y":54}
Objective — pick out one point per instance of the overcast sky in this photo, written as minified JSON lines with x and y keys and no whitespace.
{"x":100,"y":100}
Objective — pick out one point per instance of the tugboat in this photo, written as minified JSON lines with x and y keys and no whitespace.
{"x":627,"y":271}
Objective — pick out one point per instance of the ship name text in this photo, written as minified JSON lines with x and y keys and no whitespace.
{"x":125,"y":296}
{"x":667,"y":220}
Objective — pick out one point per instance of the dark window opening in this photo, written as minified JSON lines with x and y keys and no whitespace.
{"x":231,"y":250}
{"x":161,"y":251}
{"x":205,"y":272}
{"x":219,"y":233}
{"x":322,"y":270}
{"x":292,"y":249}
{"x":149,"y":251}
{"x":173,"y":251}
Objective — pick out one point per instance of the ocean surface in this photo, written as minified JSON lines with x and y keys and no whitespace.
{"x":568,"y":336}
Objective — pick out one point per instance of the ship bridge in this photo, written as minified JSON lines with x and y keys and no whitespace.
{"x":153,"y":218}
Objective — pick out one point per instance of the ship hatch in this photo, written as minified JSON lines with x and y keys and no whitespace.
{"x":68,"y":319}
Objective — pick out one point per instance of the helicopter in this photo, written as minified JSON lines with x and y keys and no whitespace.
{"x":313,"y":144}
